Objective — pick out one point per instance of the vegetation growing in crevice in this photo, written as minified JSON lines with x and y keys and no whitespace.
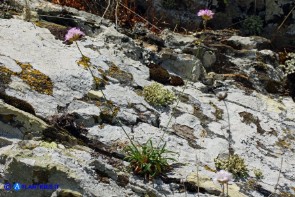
{"x":157,"y":95}
{"x":84,"y":62}
{"x":108,"y":116}
{"x":258,"y":174}
{"x":34,"y":78}
{"x":218,"y":112}
{"x":286,"y":141}
{"x":148,"y":160}
{"x":233,"y":164}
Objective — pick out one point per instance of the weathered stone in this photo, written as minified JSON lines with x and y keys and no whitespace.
{"x":207,"y":184}
{"x":184,"y":65}
{"x":15,"y":123}
{"x":254,"y":42}
{"x":248,"y":121}
{"x":88,"y":114}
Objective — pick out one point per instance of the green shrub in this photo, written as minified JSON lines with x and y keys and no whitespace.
{"x":157,"y":95}
{"x":253,"y":25}
{"x":147,"y":160}
{"x":234,"y":164}
{"x":258,"y":174}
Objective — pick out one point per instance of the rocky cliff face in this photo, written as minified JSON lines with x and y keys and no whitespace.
{"x":56,"y":127}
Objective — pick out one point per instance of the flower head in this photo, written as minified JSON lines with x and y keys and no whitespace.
{"x":223,"y":177}
{"x":74,"y":34}
{"x":206,"y":14}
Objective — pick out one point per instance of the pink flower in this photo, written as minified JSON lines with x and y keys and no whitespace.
{"x":223,"y":177}
{"x":74,"y":34}
{"x":206,"y":14}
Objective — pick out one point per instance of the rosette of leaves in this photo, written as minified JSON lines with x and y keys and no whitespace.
{"x":147,"y":160}
{"x":253,"y":25}
{"x":157,"y":95}
{"x":233,"y":164}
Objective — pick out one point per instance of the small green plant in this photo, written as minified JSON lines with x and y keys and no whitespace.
{"x":289,"y":66}
{"x":253,"y":25}
{"x":147,"y":160}
{"x":169,"y":4}
{"x":258,"y":174}
{"x":234,"y":164}
{"x":157,"y":95}
{"x":251,"y":184}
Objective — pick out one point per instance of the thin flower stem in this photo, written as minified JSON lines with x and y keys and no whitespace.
{"x":79,"y":48}
{"x":178,"y":100}
{"x":276,"y":186}
{"x":198,"y":179}
{"x":205,"y":24}
{"x":226,"y":189}
{"x":170,"y":119}
{"x":120,"y":123}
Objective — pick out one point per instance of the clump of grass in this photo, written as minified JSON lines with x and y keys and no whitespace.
{"x":233,"y":164}
{"x":157,"y":95}
{"x":147,"y":160}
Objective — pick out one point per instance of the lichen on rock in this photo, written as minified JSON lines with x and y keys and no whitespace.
{"x":34,"y":78}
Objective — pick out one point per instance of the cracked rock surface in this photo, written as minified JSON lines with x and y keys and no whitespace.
{"x":68,"y":135}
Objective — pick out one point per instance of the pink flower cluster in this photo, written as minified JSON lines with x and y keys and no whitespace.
{"x":206,"y":14}
{"x":74,"y":34}
{"x":223,"y":177}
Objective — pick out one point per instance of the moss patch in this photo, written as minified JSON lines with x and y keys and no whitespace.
{"x":84,"y":62}
{"x":100,"y":83}
{"x":34,"y":78}
{"x":218,"y":112}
